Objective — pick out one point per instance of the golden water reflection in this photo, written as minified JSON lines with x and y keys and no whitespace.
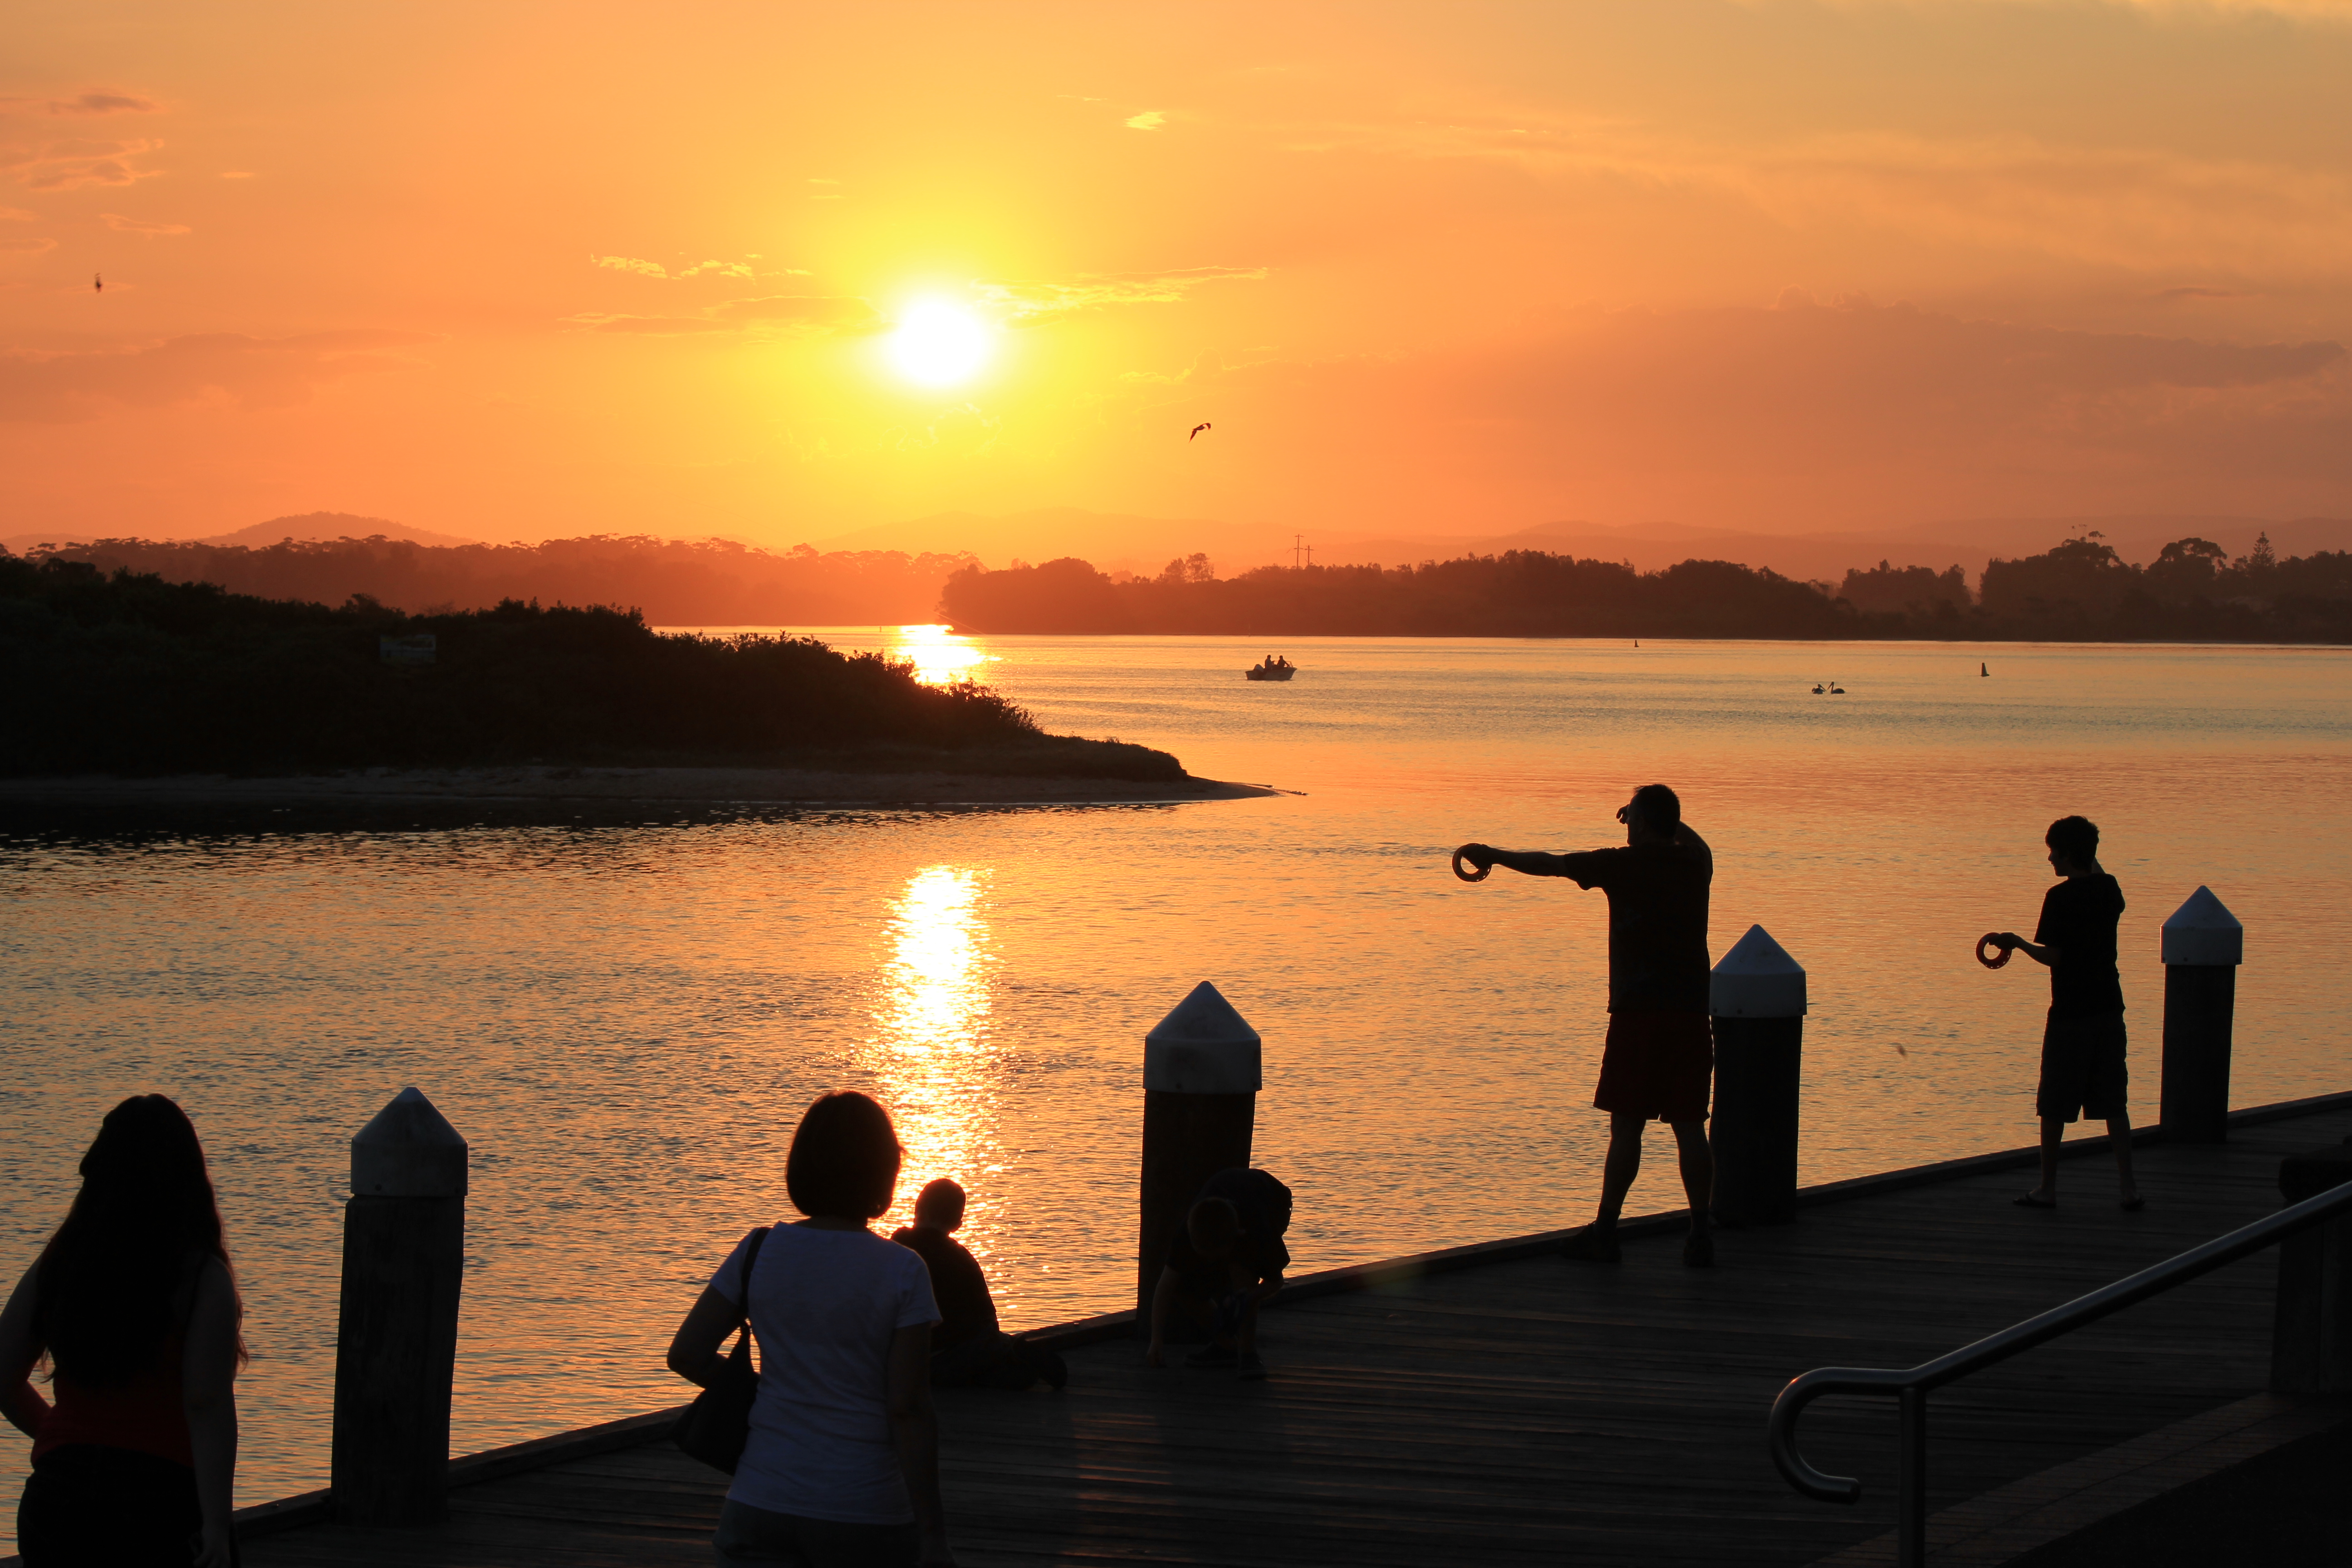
{"x":941,"y":657}
{"x":931,"y":1047}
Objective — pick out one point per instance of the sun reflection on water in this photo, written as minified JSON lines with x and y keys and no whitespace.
{"x":933,"y":1048}
{"x":941,"y":657}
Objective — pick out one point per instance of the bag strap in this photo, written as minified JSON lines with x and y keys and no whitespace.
{"x":751,"y":1261}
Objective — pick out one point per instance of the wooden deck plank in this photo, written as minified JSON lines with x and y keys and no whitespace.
{"x":1529,"y":1411}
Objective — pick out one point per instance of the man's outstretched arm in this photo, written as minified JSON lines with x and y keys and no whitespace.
{"x":1526,"y":862}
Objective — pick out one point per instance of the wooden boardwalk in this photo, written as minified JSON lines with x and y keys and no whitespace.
{"x":1533,"y":1411}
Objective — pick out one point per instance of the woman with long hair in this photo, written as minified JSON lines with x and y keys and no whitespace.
{"x":842,"y":1468}
{"x":133,"y":1304}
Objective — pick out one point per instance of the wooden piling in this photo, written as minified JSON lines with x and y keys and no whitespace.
{"x":2203,"y":945}
{"x":396,"y":1343}
{"x":1202,"y":1066}
{"x":2311,"y":1337}
{"x":1757,"y":997}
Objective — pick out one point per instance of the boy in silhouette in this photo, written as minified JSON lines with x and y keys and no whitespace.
{"x":1228,"y":1258}
{"x":968,"y":1349}
{"x":2083,"y":1071}
{"x":1658,"y":1062}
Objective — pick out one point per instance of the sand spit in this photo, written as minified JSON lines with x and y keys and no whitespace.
{"x":557,"y":786}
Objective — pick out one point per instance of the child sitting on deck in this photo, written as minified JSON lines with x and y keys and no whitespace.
{"x":1228,"y":1258}
{"x":968,"y":1349}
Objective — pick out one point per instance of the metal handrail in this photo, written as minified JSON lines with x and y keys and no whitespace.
{"x":1910,"y":1387}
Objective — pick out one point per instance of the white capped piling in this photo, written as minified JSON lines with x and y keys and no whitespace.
{"x":396,"y":1343}
{"x":1757,"y":997}
{"x":2203,"y":945}
{"x":2310,"y":1334}
{"x":1202,"y":1066}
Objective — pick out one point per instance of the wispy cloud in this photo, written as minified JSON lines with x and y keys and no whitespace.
{"x":66,"y":166}
{"x":2193,"y":292}
{"x":99,"y":102}
{"x":146,"y":229}
{"x":253,"y":373}
{"x":1149,"y":120}
{"x":26,"y":245}
{"x":824,"y":190}
{"x":16,"y":215}
{"x":815,"y":314}
{"x":1028,"y":303}
{"x":644,"y":268}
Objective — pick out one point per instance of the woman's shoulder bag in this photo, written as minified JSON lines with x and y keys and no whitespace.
{"x":715,"y":1427}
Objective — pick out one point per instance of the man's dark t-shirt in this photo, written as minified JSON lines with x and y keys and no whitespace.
{"x":957,"y":1286}
{"x":2078,"y":918}
{"x":1657,"y":922}
{"x":1264,"y":1204}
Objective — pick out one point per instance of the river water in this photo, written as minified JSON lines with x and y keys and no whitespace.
{"x":627,"y":1021}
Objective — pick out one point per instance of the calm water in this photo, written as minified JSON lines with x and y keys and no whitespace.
{"x":626,"y":1022}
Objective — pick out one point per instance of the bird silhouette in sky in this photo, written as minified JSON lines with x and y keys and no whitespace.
{"x":1203,"y":425}
{"x":98,"y":283}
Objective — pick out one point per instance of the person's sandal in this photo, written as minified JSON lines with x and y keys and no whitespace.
{"x":2133,"y":1204}
{"x":1592,"y":1244}
{"x":2029,"y":1201}
{"x":1699,"y":1250}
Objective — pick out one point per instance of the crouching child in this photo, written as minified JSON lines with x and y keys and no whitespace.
{"x":1226,"y":1261}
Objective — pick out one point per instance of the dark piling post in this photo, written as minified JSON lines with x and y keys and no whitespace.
{"x":397,"y":1345}
{"x":1202,"y":1066}
{"x":2203,"y":945}
{"x":2311,"y":1337}
{"x":1758,"y":997}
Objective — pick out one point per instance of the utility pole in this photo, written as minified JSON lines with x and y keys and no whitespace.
{"x":1299,"y":549}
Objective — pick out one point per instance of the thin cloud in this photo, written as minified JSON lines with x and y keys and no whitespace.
{"x":1149,"y":120}
{"x":717,"y":270}
{"x":643,"y":268}
{"x":86,"y":103}
{"x":630,"y":264}
{"x":70,"y":164}
{"x":1026,"y":304}
{"x":27,"y":245}
{"x":253,"y":373}
{"x":846,"y":315}
{"x":2196,"y":293}
{"x":16,"y":215}
{"x":237,"y":175}
{"x":146,"y":229}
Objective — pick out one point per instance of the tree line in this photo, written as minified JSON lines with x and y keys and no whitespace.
{"x":2080,"y":590}
{"x":674,"y":583}
{"x":126,"y":673}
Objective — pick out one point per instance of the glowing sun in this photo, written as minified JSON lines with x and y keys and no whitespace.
{"x":937,"y":344}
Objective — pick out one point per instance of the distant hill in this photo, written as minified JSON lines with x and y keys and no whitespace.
{"x":330,"y":525}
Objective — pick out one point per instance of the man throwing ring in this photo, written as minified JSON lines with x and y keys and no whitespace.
{"x":1659,"y":1061}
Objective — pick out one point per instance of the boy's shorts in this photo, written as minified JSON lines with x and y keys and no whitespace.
{"x":1657,"y":1066}
{"x":2083,"y":1071}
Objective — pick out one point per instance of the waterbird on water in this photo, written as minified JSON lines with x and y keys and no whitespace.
{"x":98,"y":283}
{"x":1203,"y":425}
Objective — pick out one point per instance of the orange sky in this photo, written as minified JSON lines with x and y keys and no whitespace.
{"x":515,"y":271}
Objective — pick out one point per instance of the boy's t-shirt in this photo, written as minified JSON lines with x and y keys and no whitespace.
{"x":1657,"y":922}
{"x":957,"y":1285}
{"x":1264,"y":1204}
{"x":2078,"y":918}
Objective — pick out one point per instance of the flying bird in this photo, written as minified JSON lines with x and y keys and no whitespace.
{"x":98,"y":283}
{"x":1203,"y":425}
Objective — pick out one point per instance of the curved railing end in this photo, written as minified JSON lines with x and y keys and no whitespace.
{"x":1802,"y":1391}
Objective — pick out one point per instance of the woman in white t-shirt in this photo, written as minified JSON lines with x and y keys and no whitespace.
{"x":842,"y":1465}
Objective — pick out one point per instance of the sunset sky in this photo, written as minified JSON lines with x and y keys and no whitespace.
{"x":777,"y":272}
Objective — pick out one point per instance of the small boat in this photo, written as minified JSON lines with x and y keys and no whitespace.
{"x":1273,"y":669}
{"x":1982,"y":670}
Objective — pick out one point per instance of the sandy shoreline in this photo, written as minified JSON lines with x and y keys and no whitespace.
{"x":556,"y":786}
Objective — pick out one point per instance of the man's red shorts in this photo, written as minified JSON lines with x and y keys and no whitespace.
{"x":1657,"y":1066}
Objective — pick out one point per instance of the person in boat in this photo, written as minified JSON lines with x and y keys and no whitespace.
{"x":134,"y":1303}
{"x":1657,"y":1062}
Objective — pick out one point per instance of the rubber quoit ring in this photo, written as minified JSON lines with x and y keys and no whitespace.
{"x":1999,"y":957}
{"x":1479,"y":876}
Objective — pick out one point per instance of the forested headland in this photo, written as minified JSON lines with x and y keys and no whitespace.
{"x":672,"y":582}
{"x":2079,"y":590}
{"x":126,"y":673}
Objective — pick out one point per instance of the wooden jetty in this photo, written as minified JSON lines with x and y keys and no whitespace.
{"x":1494,"y":1404}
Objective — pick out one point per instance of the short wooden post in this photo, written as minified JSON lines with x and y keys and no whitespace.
{"x":1202,"y":1066}
{"x":2203,"y":945}
{"x":1758,"y":997}
{"x":397,"y":1345}
{"x":2311,"y":1336}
